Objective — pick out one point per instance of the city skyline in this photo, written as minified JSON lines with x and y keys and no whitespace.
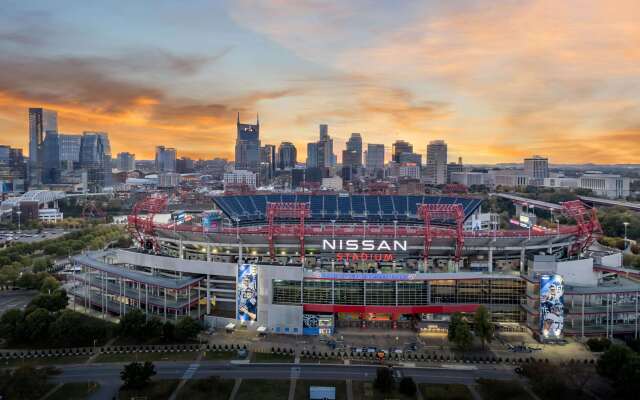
{"x":464,"y":73}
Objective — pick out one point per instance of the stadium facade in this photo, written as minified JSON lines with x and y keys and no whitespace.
{"x":312,"y":264}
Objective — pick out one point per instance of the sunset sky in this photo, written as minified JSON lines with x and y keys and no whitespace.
{"x":498,"y":80}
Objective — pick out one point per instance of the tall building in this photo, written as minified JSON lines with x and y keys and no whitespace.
{"x":126,"y":161}
{"x":605,"y":185}
{"x":69,"y":149}
{"x":41,"y":121}
{"x":375,"y":157}
{"x":312,"y":155}
{"x":267,"y":163}
{"x":95,"y":158}
{"x":165,"y":159}
{"x":354,"y":144}
{"x":184,"y":165}
{"x":247,"y":146}
{"x":536,"y":168}
{"x":13,"y":170}
{"x":326,"y":158}
{"x":287,"y":155}
{"x":51,"y":158}
{"x":399,"y":147}
{"x":436,"y":163}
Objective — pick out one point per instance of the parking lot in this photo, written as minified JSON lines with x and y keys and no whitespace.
{"x":15,"y":299}
{"x":30,"y":236}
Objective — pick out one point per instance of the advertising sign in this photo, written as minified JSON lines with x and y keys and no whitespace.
{"x":551,"y":306}
{"x":247,"y":293}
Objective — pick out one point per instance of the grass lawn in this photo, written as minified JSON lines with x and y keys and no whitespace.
{"x":159,"y":356}
{"x":502,"y":390}
{"x":41,"y":361}
{"x":220,"y":355}
{"x":252,"y":389}
{"x":365,"y":390}
{"x":204,"y":389}
{"x":75,"y":391}
{"x":271,"y":358}
{"x":156,"y":390}
{"x":445,"y":391}
{"x":302,"y":388}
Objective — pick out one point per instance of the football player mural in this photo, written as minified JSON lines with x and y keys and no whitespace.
{"x":247,"y":293}
{"x":551,"y":306}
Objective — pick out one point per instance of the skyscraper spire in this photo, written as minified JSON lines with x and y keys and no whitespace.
{"x":257,"y":119}
{"x":238,"y":117}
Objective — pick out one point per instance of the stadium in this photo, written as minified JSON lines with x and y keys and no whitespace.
{"x":315,"y":263}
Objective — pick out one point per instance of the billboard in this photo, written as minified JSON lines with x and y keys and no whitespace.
{"x":551,"y":306}
{"x":247,"y":293}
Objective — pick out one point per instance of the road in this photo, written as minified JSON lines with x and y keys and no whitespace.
{"x":108,"y":374}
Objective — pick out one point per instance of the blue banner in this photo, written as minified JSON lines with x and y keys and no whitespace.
{"x":247,"y":293}
{"x":551,"y":306}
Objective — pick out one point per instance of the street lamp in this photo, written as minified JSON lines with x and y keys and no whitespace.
{"x":19,"y":213}
{"x":626,"y":224}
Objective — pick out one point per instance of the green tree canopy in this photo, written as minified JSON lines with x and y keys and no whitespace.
{"x":137,"y":375}
{"x":483,"y":326}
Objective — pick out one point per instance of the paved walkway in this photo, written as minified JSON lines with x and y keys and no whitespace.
{"x":235,"y":389}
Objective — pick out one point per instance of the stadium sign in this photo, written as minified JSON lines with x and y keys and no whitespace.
{"x":363,"y":245}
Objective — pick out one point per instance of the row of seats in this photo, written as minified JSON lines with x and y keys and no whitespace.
{"x":354,"y":208}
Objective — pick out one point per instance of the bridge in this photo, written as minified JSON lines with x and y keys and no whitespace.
{"x":530,"y":202}
{"x":611,"y":203}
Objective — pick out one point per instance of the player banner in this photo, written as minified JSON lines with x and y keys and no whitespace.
{"x":551,"y":306}
{"x":247,"y":293}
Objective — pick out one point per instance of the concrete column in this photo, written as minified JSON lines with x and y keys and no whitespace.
{"x":180,"y":250}
{"x":522,"y":259}
{"x":582,"y":317}
{"x":208,"y":295}
{"x":165,"y":305}
{"x":636,"y":333}
{"x":208,"y":252}
{"x":146,"y":300}
{"x":490,"y":260}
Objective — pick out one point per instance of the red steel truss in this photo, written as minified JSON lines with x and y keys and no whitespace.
{"x":290,"y":210}
{"x":140,"y":226}
{"x":431,"y":212}
{"x":587,"y":222}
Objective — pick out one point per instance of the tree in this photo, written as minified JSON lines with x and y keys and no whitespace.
{"x":407,"y":386}
{"x":41,"y":264}
{"x":136,"y":375}
{"x":384,"y":380}
{"x":153,"y":327}
{"x":12,"y":325}
{"x":456,"y":319}
{"x":187,"y":328}
{"x":613,"y":360}
{"x":26,"y":382}
{"x":53,"y":302}
{"x":462,"y":336}
{"x":168,"y":331}
{"x":628,"y":382}
{"x":132,"y":325}
{"x":49,"y":285}
{"x":483,"y":327}
{"x":37,"y":325}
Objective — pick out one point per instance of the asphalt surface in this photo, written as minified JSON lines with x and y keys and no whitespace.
{"x":15,"y":299}
{"x":108,"y":374}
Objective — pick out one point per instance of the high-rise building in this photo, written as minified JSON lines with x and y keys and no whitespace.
{"x":51,"y":158}
{"x":95,"y":158}
{"x":399,"y":147}
{"x":375,"y":158}
{"x":13,"y":170}
{"x":287,"y":156}
{"x":354,"y":144}
{"x":165,"y":159}
{"x":126,"y":161}
{"x":326,"y":158}
{"x":536,"y":168}
{"x":267,"y":163}
{"x":69,"y":149}
{"x":436,"y":163}
{"x":312,"y":155}
{"x":248,"y":146}
{"x":41,"y":121}
{"x":184,"y":165}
